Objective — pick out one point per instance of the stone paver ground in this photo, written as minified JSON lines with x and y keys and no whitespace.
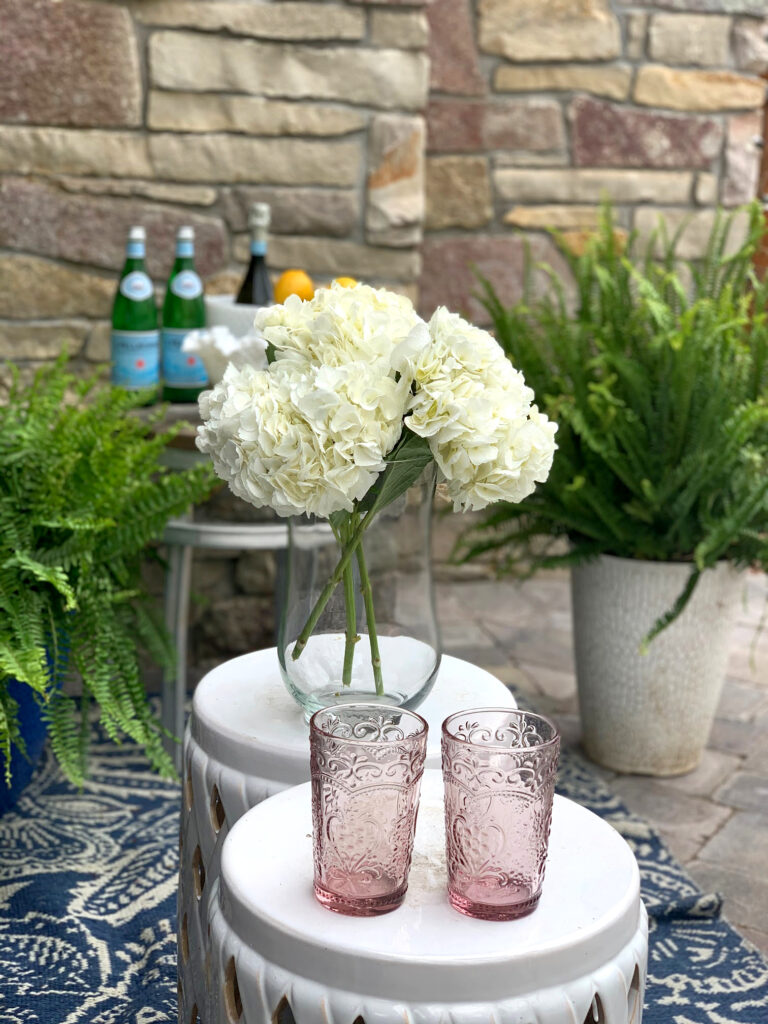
{"x":715,"y":819}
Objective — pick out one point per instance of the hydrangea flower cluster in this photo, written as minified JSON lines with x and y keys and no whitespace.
{"x":351,"y":370}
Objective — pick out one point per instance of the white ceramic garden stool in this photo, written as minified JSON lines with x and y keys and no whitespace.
{"x":579,"y":957}
{"x":246,"y":740}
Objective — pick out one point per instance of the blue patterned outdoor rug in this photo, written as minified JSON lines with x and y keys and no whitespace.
{"x":88,"y":906}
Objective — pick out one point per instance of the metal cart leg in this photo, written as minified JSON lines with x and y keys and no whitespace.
{"x":177,"y":585}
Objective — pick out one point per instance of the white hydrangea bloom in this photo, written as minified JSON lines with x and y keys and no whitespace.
{"x":488,"y":439}
{"x":339,"y":325}
{"x":310,"y":433}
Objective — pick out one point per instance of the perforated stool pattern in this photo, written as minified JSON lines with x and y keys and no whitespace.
{"x":246,"y":740}
{"x":580,"y":958}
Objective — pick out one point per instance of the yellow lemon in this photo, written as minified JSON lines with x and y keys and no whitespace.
{"x":346,"y":282}
{"x":294,"y":282}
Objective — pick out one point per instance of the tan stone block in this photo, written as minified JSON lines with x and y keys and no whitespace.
{"x":199,"y":63}
{"x":251,"y":115}
{"x":41,"y":340}
{"x":524,"y":158}
{"x":335,"y":258}
{"x":226,"y":282}
{"x":701,"y":39}
{"x":98,"y":348}
{"x":233,"y":158}
{"x":742,"y":158}
{"x":637,"y":27}
{"x":694,"y":227}
{"x":750,"y":45}
{"x":658,"y":86}
{"x":458,"y":192}
{"x":592,"y":186}
{"x":403,"y":30}
{"x":576,"y":241}
{"x":295,"y":211}
{"x":69,"y":151}
{"x":525,"y":30}
{"x":611,"y":80}
{"x":193,"y":195}
{"x":263,"y":20}
{"x":33,"y":288}
{"x":706,"y":189}
{"x":562,"y":218}
{"x":394,"y":212}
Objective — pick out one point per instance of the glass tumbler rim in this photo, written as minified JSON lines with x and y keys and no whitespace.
{"x":553,"y":741}
{"x":374,"y":707}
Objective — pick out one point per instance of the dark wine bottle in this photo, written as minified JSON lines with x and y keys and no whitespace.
{"x":256,"y":289}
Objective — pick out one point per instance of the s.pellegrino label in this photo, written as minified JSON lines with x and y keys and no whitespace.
{"x":180,"y":369}
{"x":135,"y":359}
{"x":186,"y":284}
{"x":135,"y":334}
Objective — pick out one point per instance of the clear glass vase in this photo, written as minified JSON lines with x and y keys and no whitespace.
{"x":339,"y":662}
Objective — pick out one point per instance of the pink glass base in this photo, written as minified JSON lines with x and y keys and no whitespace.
{"x":357,"y":906}
{"x":493,"y":911}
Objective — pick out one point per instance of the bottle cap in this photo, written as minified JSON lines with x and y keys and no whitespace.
{"x":186,"y":234}
{"x":137,"y":234}
{"x":259,"y":216}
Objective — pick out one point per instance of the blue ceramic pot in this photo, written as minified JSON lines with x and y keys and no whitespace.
{"x":34,"y":730}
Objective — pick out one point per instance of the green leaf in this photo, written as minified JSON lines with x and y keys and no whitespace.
{"x":405,"y":464}
{"x":45,"y":574}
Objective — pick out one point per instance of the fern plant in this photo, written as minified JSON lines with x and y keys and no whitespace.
{"x":82,"y":494}
{"x":658,"y":378}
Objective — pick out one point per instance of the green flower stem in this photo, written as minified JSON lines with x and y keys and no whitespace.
{"x":370,"y":618}
{"x":330,"y":586}
{"x":351,"y":637}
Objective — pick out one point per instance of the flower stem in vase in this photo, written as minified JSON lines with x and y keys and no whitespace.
{"x":351,"y":636}
{"x":333,"y":582}
{"x":370,"y":618}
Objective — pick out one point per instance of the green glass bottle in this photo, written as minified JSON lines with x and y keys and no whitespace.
{"x":184,"y":375}
{"x":135,"y":342}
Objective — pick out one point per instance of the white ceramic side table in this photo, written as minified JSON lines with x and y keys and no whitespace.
{"x":579,"y":957}
{"x":246,"y":740}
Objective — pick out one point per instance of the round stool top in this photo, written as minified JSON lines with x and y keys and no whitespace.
{"x":425,"y":950}
{"x":243,"y":716}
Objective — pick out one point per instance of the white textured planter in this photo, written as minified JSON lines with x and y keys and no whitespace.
{"x":649,"y":713}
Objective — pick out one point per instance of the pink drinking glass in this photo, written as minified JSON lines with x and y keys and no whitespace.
{"x":366,"y":763}
{"x":499,"y":771}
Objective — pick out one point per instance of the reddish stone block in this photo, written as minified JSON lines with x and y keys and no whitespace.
{"x":452,"y":51}
{"x":448,"y":276}
{"x":608,"y":135}
{"x":43,"y":219}
{"x":68,"y":64}
{"x":454,"y":126}
{"x":465,"y":126}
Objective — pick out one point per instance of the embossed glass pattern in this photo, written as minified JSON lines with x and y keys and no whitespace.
{"x":499,"y":770}
{"x":366,"y":763}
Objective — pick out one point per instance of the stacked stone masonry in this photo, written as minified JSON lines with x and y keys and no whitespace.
{"x":407,"y":142}
{"x":538,"y":109}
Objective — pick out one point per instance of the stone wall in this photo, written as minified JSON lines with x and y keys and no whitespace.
{"x":164,"y":112}
{"x":539,"y":108}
